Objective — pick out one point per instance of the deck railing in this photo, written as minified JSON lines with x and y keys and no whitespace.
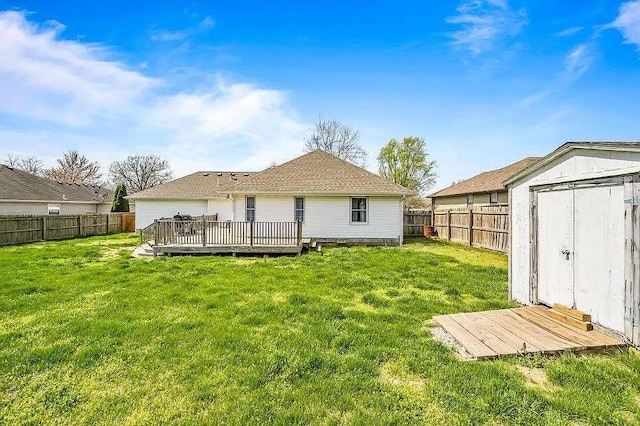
{"x":205,"y":232}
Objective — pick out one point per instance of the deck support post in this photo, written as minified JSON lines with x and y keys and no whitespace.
{"x":299,"y":232}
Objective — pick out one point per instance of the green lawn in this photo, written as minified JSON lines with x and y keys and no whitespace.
{"x":90,"y":335}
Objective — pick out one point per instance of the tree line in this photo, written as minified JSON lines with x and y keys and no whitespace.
{"x":404,"y":162}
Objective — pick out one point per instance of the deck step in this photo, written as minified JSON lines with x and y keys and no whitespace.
{"x":579,"y":315}
{"x":569,"y":320}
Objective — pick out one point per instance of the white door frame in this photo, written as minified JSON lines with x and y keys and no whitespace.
{"x":632,"y":244}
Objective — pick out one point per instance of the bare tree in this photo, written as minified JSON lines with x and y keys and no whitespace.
{"x":338,"y":139}
{"x":74,"y":167}
{"x":28,"y":164}
{"x":140,"y":172}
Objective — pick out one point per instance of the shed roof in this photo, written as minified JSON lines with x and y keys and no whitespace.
{"x":318,"y":172}
{"x":487,"y":181}
{"x":569,"y":146}
{"x":19,"y":185}
{"x":203,"y":184}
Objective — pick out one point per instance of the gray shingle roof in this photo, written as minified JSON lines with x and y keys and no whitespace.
{"x":19,"y":185}
{"x":486,"y":181}
{"x":317,"y":172}
{"x":203,"y":184}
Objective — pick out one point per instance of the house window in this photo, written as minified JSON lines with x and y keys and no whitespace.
{"x":251,"y":209}
{"x":359,"y":210}
{"x":299,"y":209}
{"x":53,"y":209}
{"x":469,"y":200}
{"x":493,"y":197}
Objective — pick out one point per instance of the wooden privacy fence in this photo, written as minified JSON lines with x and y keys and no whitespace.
{"x":414,"y":222}
{"x":486,"y":227}
{"x":28,"y":229}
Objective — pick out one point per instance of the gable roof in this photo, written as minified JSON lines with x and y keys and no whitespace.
{"x":317,"y":172}
{"x":569,"y":146}
{"x":203,"y":184}
{"x":22,"y":186}
{"x":487,"y":181}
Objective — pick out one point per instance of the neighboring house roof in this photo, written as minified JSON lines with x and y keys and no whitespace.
{"x":487,"y":181}
{"x":317,"y":172}
{"x":568,"y":146}
{"x":203,"y":184}
{"x":17,"y":185}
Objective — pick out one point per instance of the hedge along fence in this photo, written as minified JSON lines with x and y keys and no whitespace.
{"x":28,"y":229}
{"x":486,"y":227}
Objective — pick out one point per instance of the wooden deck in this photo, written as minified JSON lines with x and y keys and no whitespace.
{"x":526,"y":330}
{"x":209,"y":236}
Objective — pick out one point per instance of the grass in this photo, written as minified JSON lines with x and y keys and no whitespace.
{"x":90,"y":335}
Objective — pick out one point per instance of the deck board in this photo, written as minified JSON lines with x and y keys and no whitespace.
{"x":470,"y":342}
{"x":491,"y":334}
{"x":472,"y":323}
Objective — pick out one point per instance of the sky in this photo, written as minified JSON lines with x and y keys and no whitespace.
{"x":236,"y":85}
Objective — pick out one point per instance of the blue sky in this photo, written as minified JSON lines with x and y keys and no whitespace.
{"x":236,"y":85}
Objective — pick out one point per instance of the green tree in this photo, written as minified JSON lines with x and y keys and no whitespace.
{"x":120,"y":203}
{"x":407,"y":163}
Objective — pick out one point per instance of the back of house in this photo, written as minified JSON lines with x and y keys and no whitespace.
{"x":335,"y":200}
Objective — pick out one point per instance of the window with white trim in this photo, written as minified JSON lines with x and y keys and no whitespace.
{"x":53,"y":209}
{"x":359,"y":209}
{"x":469,"y":200}
{"x":493,"y":197}
{"x":250,"y":214}
{"x":298,"y":214}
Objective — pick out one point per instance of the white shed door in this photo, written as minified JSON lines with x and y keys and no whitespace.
{"x":581,"y":251}
{"x":599,"y":254}
{"x":555,"y":239}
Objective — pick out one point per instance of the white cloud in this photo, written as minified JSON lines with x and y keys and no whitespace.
{"x":177,"y":35}
{"x":43,"y":76}
{"x":59,"y":94}
{"x":579,"y":60}
{"x":628,"y":22}
{"x":569,"y":32}
{"x":484,"y":24}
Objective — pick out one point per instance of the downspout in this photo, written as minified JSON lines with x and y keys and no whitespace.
{"x":401,"y":236}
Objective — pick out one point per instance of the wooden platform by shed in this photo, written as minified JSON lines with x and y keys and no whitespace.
{"x":517,"y":331}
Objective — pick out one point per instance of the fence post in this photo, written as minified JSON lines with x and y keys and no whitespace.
{"x":449,"y":225}
{"x":251,"y":233}
{"x":44,"y":228}
{"x":470,"y":227}
{"x":107,"y":223}
{"x":299,"y":232}
{"x":204,"y":230}
{"x":79,"y":226}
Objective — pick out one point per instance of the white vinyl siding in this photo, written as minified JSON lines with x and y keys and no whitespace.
{"x":221,"y":207}
{"x":149,"y":210}
{"x":329,"y":216}
{"x":8,"y":208}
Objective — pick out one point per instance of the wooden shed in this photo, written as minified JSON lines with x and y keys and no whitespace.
{"x":575,"y":232}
